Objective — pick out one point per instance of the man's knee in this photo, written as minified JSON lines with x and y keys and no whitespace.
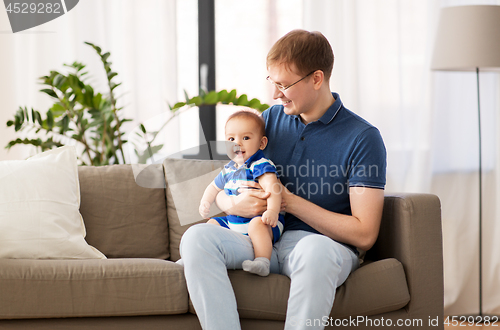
{"x":197,"y":236}
{"x":320,"y":252}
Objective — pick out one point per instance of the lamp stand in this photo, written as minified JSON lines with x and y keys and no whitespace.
{"x":480,"y":202}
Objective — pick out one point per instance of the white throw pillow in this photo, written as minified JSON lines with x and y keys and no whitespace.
{"x":39,"y":208}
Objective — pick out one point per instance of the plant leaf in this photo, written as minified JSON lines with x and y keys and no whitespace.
{"x":113,"y":85}
{"x":105,"y":56}
{"x":49,"y":92}
{"x":263,"y":107}
{"x":58,"y":80}
{"x":211,"y":98}
{"x":64,"y":124}
{"x":242,"y":100}
{"x":111,"y":75}
{"x":232,"y":95}
{"x":178,"y":105}
{"x":223,"y":95}
{"x":254,"y":103}
{"x":197,"y":101}
{"x":148,"y":153}
{"x":50,"y":119}
{"x":38,"y":117}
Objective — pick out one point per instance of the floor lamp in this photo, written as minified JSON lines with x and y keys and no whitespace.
{"x":468,"y":39}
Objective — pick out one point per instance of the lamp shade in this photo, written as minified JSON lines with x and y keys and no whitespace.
{"x":468,"y":37}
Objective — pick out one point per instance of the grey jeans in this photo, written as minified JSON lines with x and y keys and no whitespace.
{"x":316,"y":265}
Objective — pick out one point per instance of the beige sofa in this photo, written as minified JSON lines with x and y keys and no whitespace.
{"x":139,"y":287}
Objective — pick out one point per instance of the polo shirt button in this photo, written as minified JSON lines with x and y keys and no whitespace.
{"x":302,"y":138}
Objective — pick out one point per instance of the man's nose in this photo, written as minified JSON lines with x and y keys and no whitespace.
{"x":277,"y":93}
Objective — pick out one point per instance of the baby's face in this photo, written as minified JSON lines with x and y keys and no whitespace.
{"x":244,"y":139}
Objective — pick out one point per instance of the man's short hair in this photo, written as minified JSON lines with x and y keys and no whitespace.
{"x":251,"y":115}
{"x":309,"y":51}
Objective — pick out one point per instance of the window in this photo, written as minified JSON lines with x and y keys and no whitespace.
{"x":244,"y":33}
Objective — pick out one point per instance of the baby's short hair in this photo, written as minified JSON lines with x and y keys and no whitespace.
{"x":252,"y":115}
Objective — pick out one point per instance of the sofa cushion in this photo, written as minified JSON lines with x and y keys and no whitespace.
{"x":374,"y":288}
{"x":123,"y":219}
{"x":186,"y":181}
{"x":75,"y":288}
{"x":39,"y":208}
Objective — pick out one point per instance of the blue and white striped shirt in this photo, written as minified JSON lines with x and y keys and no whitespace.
{"x":230,"y":178}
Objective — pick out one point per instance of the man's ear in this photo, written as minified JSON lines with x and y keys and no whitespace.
{"x":318,"y":79}
{"x":263,"y":143}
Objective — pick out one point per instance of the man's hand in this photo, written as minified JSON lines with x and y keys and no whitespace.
{"x":248,"y":204}
{"x":251,"y":202}
{"x":247,"y":186}
{"x":204,"y":209}
{"x":286,"y":197}
{"x":270,"y":218}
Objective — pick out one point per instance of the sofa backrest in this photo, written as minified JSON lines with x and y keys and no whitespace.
{"x":123,"y":219}
{"x":186,"y":180}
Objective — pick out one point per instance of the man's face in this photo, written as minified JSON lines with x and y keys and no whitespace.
{"x":298,"y":98}
{"x":245,"y":138}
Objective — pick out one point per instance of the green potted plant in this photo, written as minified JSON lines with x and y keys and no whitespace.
{"x":78,"y":113}
{"x":94,"y":120}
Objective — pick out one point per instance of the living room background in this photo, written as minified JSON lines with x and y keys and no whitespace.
{"x":382,"y":71}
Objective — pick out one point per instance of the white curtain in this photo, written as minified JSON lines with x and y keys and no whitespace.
{"x":382,"y":71}
{"x":141,"y":37}
{"x":428,"y":120}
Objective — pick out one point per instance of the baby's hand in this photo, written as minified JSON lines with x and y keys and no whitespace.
{"x":270,"y":218}
{"x":204,"y":209}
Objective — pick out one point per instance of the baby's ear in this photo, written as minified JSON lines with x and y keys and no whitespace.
{"x":263,"y":143}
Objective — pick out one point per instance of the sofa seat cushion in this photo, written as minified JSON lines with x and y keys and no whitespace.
{"x":76,"y":288}
{"x":374,"y":288}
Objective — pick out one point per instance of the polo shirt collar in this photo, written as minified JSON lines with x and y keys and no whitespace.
{"x":256,"y":156}
{"x":331,"y":112}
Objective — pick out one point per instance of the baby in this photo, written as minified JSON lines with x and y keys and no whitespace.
{"x":246,"y":132}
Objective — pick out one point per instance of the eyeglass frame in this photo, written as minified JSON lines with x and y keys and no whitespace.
{"x":282,"y":88}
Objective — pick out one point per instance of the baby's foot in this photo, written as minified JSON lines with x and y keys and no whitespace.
{"x":259,"y":266}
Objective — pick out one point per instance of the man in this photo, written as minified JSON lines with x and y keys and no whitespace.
{"x":332,"y":169}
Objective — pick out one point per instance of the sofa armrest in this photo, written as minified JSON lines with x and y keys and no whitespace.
{"x":411,"y":232}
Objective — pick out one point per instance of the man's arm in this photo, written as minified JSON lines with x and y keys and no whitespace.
{"x":360,"y":230}
{"x":248,"y":204}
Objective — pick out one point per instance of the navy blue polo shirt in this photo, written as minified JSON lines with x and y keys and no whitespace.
{"x":321,"y":160}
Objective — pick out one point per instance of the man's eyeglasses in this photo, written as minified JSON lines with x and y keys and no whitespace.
{"x":282,"y":88}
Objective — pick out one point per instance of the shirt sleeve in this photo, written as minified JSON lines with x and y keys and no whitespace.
{"x":219,"y":180}
{"x":368,"y":161}
{"x":263,"y":166}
